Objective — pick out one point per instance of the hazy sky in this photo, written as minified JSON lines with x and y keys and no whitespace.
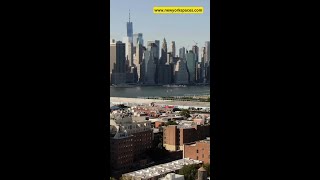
{"x":184,"y":29}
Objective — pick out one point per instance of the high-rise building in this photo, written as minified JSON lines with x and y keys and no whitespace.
{"x":191,"y":64}
{"x":207,"y":52}
{"x":112,"y":56}
{"x":129,"y":50}
{"x":156,"y":49}
{"x":129,"y":29}
{"x":182,"y":53}
{"x":164,"y":74}
{"x":173,"y":49}
{"x":195,"y":50}
{"x":150,"y":67}
{"x":181,"y":73}
{"x":138,"y":61}
{"x":117,"y":58}
{"x":207,"y":62}
{"x":164,"y":51}
{"x":137,"y":38}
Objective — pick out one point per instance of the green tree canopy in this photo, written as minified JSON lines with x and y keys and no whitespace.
{"x":185,"y":113}
{"x":190,"y":172}
{"x":207,"y":168}
{"x":171,"y":123}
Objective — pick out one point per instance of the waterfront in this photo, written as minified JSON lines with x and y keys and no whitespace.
{"x":152,"y":91}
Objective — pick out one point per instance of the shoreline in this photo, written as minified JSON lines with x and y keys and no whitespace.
{"x":173,"y":85}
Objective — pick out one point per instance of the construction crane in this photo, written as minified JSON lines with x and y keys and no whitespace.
{"x":196,"y":43}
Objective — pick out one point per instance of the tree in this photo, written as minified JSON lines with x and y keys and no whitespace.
{"x":171,"y":123}
{"x":189,"y":171}
{"x":207,"y":168}
{"x":185,"y":113}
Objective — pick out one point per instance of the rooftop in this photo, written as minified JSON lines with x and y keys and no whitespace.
{"x":162,"y":169}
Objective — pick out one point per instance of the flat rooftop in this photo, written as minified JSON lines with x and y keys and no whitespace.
{"x":162,"y":169}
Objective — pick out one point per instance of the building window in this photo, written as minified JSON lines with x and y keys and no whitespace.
{"x":202,"y":155}
{"x":197,"y":151}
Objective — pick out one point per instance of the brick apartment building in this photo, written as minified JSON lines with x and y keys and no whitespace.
{"x":199,"y":150}
{"x":122,"y":152}
{"x":130,"y":137}
{"x":175,"y":136}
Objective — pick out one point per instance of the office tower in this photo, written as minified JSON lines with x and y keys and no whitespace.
{"x":129,"y":29}
{"x":117,"y":58}
{"x":200,"y":67}
{"x":174,"y":137}
{"x":164,"y":74}
{"x":164,"y":51}
{"x":181,"y":73}
{"x":207,"y":52}
{"x":138,"y":60}
{"x":207,"y":62}
{"x":195,"y":50}
{"x":182,"y":53}
{"x":138,"y":37}
{"x":150,"y":68}
{"x":173,"y":49}
{"x":191,"y":65}
{"x":198,"y":72}
{"x":156,"y":49}
{"x":129,"y":50}
{"x":112,"y":56}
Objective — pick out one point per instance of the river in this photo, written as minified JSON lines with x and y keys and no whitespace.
{"x":151,"y":91}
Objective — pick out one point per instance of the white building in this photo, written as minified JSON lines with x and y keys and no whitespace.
{"x":173,"y":176}
{"x":160,"y":171}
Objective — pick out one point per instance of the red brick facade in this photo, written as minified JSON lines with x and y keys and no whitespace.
{"x":198,"y":151}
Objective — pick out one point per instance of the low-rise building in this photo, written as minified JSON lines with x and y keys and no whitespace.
{"x":199,"y":150}
{"x":130,"y":137}
{"x":160,"y":171}
{"x":175,"y":136}
{"x":173,"y":176}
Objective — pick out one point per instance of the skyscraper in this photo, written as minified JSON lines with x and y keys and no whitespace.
{"x":138,"y":60}
{"x":117,"y":58}
{"x":195,"y":50}
{"x":164,"y":51}
{"x":129,"y":50}
{"x":150,"y":68}
{"x":155,"y":48}
{"x":173,"y":49}
{"x":113,"y":53}
{"x":138,"y":37}
{"x":207,"y":62}
{"x":207,"y":50}
{"x":191,"y":65}
{"x":129,"y":29}
{"x":182,"y":53}
{"x":181,"y":73}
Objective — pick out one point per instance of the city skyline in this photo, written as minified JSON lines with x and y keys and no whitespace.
{"x":185,"y":29}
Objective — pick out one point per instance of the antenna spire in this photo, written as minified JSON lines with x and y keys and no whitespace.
{"x":129,"y":15}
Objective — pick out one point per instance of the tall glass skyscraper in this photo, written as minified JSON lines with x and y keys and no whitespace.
{"x":191,"y":65}
{"x":129,"y":29}
{"x":207,"y":54}
{"x":137,"y":38}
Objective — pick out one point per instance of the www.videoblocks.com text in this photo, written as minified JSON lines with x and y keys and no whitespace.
{"x":178,"y":10}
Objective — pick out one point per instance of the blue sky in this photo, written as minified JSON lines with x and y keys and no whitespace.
{"x":184,"y":29}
